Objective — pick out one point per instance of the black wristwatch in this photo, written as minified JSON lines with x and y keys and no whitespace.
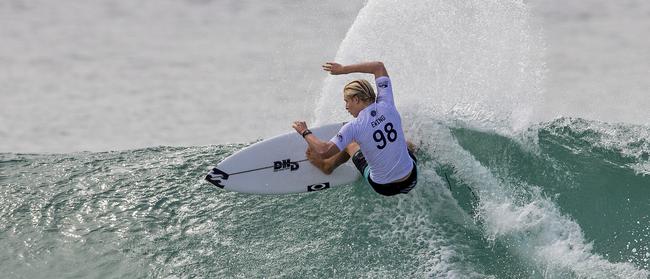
{"x":306,"y":132}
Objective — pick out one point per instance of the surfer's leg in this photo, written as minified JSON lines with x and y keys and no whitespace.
{"x":411,"y":146}
{"x":359,"y":161}
{"x":352,"y":148}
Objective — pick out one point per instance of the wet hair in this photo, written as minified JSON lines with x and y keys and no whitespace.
{"x":361,"y":89}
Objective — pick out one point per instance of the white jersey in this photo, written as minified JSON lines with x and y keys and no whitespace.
{"x":380,"y":137}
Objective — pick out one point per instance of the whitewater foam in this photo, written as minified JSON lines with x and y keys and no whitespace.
{"x":469,"y":61}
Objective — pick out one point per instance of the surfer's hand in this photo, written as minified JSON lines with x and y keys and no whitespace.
{"x":309,"y":154}
{"x":299,"y":126}
{"x":334,"y":68}
{"x":313,"y":157}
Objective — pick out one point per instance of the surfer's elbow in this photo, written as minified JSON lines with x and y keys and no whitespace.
{"x":379,"y":70}
{"x":323,"y":165}
{"x":328,"y":166}
{"x":327,"y":170}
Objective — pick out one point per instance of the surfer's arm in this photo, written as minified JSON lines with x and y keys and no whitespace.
{"x":324,"y":149}
{"x":327,"y":165}
{"x":376,"y":68}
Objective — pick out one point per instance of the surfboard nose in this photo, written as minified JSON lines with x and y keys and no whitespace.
{"x":216,"y":176}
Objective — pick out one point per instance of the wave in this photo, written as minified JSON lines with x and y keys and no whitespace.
{"x":486,"y":206}
{"x":467,"y":78}
{"x":571,"y":200}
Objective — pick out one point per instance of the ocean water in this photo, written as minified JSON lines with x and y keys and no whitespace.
{"x":530,"y":117}
{"x":114,"y":75}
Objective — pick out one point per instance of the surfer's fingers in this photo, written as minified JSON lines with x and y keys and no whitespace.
{"x":331,"y":65}
{"x":299,"y":126}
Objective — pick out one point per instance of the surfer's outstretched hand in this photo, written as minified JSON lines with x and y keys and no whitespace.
{"x":334,"y":68}
{"x":299,"y":126}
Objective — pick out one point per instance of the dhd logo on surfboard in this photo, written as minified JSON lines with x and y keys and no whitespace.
{"x":285,"y":164}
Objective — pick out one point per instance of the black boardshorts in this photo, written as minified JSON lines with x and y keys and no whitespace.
{"x":389,"y":189}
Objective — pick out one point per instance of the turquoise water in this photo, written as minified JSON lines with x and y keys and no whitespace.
{"x":571,"y":206}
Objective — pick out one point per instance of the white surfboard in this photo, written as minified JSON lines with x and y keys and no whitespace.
{"x":279,"y":166}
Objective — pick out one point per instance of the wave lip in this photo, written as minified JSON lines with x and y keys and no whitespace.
{"x":630,"y":141}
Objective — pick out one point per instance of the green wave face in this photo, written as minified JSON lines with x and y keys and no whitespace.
{"x":596,"y":174}
{"x":572,"y":202}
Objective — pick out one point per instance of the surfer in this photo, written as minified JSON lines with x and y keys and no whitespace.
{"x":374,"y":139}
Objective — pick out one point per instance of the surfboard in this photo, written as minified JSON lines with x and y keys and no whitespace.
{"x":279,"y":165}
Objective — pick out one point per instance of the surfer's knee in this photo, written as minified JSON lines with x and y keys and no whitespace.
{"x":352,"y":148}
{"x":411,"y":146}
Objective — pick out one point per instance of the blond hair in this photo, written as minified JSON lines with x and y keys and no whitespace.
{"x":361,"y":89}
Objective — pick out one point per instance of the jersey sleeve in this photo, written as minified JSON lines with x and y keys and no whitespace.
{"x":344,"y":137}
{"x":384,"y":90}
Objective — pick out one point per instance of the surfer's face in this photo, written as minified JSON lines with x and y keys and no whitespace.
{"x":353,"y":105}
